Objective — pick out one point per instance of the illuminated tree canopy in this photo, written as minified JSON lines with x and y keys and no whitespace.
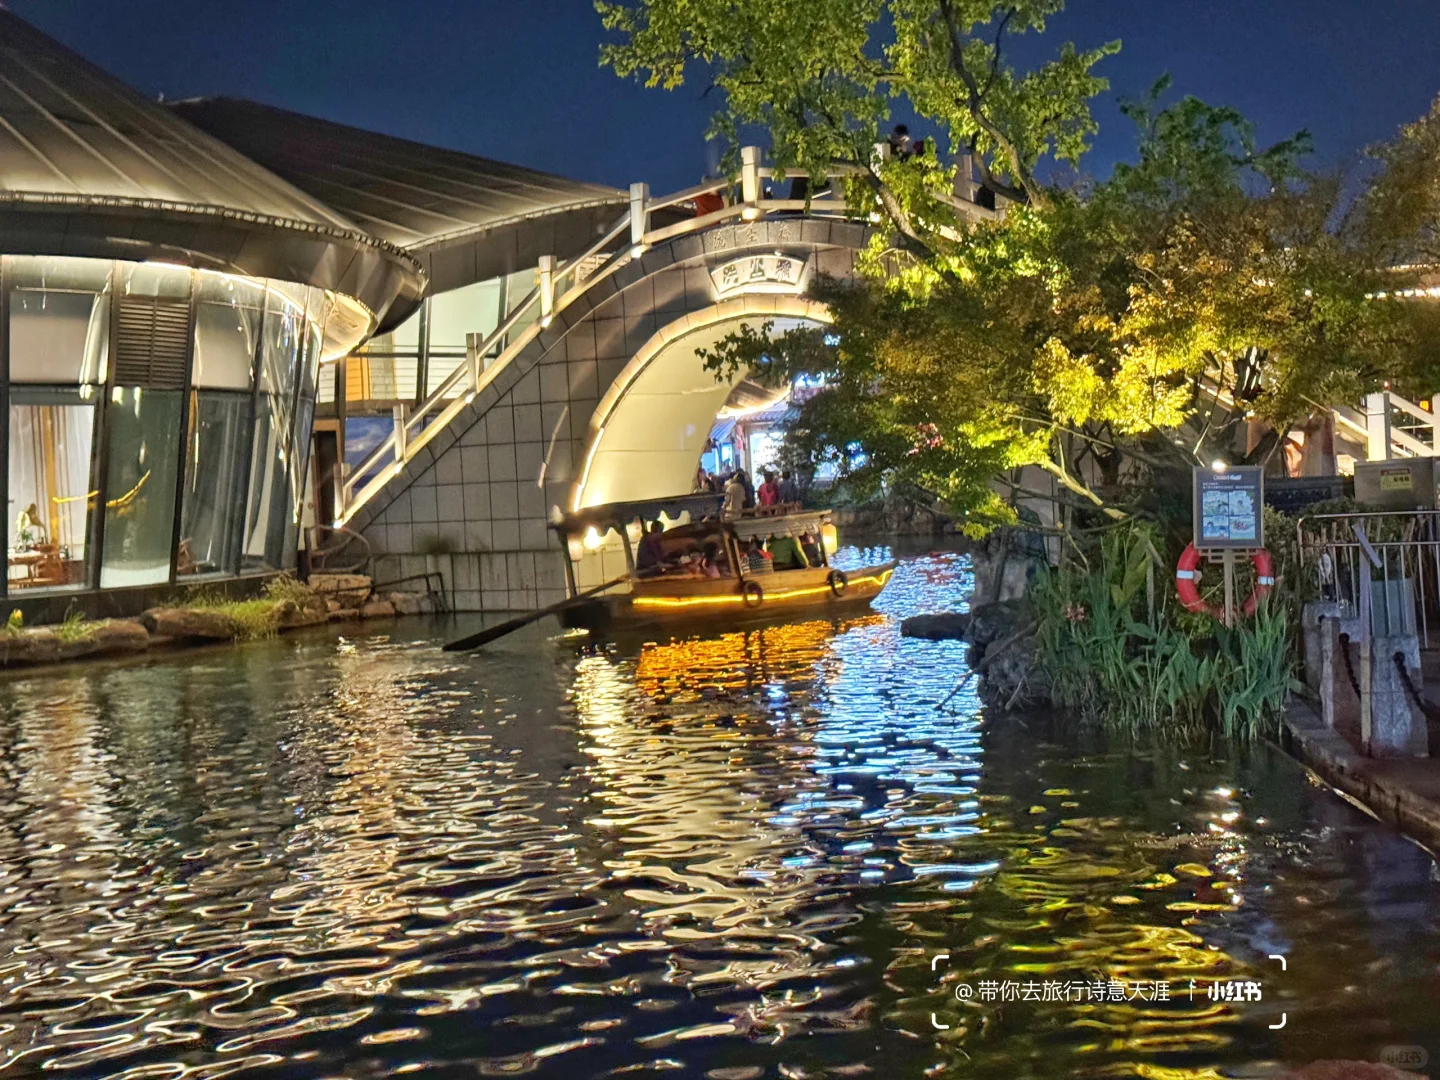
{"x":1099,"y":318}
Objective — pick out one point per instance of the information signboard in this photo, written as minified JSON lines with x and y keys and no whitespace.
{"x":1228,"y":508}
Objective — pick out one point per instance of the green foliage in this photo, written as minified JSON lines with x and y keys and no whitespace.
{"x":1077,"y":331}
{"x":75,"y":627}
{"x":821,"y":76}
{"x":16,"y":622}
{"x":286,"y":587}
{"x":1121,"y":651}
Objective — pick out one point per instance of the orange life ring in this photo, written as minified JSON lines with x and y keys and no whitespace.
{"x":1186,"y":576}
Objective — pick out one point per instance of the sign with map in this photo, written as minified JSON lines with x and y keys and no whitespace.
{"x":1228,"y":508}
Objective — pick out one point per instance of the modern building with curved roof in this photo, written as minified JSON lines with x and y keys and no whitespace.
{"x":166,"y":304}
{"x":465,"y":218}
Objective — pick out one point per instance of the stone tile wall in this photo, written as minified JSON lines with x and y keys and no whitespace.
{"x":476,"y":491}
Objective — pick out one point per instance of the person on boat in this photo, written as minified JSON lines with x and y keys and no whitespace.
{"x":786,"y":553}
{"x":757,"y":559}
{"x":651,"y":552}
{"x":734,"y":496}
{"x":711,"y":562}
{"x":769,"y":493}
{"x":810,"y":545}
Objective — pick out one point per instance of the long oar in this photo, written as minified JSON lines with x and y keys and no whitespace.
{"x":484,"y":637}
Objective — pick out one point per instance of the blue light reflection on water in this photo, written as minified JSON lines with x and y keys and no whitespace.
{"x":728,"y":855}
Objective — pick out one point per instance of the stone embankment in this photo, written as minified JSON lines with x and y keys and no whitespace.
{"x":1001,"y":636}
{"x":327,"y":598}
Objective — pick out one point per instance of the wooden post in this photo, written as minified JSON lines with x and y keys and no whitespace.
{"x":1369,"y":560}
{"x":1228,"y":560}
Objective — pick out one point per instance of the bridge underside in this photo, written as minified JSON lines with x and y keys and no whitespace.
{"x":648,"y":444}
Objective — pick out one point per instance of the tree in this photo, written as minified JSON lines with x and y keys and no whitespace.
{"x":1094,"y":322}
{"x":820,"y":75}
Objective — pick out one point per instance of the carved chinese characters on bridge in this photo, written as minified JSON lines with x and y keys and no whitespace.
{"x":759,"y":274}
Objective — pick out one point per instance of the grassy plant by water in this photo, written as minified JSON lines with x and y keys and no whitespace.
{"x":1120,"y":650}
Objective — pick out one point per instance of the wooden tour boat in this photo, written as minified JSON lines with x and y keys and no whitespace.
{"x":796,"y":582}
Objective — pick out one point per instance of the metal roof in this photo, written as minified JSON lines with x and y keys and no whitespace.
{"x":89,"y":167}
{"x":467,"y":218}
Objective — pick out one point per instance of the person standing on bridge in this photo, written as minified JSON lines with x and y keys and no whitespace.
{"x":769,"y":491}
{"x":734,"y":496}
{"x":789,"y":490}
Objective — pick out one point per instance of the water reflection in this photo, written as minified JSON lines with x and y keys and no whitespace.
{"x":732,"y":855}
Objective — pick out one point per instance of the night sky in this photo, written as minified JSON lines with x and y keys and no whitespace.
{"x":518,"y":80}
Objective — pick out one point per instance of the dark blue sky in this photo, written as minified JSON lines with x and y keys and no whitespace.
{"x":518,"y":80}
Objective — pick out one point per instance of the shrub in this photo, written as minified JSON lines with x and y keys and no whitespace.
{"x":1119,"y":648}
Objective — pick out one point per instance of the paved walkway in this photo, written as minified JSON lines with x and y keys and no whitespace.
{"x":1402,"y":791}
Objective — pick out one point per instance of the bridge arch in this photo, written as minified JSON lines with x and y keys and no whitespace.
{"x":633,"y":450}
{"x":474,"y":503}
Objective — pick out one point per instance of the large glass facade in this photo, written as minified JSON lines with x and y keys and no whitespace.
{"x":159,"y":419}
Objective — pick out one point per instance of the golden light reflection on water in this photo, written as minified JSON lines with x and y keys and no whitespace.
{"x":730,"y":855}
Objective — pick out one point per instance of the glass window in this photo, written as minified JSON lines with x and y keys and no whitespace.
{"x":280,"y":349}
{"x":405,"y":338}
{"x":475,"y":309}
{"x":227,"y":331}
{"x":299,"y":477}
{"x":266,"y":515}
{"x":212,"y":504}
{"x":142,"y":435}
{"x":51,"y":433}
{"x":59,"y":320}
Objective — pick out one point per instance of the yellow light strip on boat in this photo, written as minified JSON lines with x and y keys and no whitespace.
{"x":739,"y":598}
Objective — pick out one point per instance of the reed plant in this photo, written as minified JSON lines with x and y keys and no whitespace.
{"x":1121,"y":651}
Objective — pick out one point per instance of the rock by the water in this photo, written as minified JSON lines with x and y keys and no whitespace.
{"x":117,"y":636}
{"x":312,"y":612}
{"x":1002,"y":644}
{"x":350,"y":590}
{"x":944,"y":626}
{"x":185,"y":624}
{"x":344,"y":614}
{"x":29,"y":647}
{"x":409,"y":603}
{"x":378,"y":609}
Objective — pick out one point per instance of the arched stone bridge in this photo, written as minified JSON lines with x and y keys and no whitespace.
{"x":605,"y":401}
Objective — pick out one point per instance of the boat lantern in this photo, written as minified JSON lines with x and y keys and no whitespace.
{"x":830,"y":538}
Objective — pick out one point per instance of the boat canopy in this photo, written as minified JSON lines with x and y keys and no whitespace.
{"x":618,"y":515}
{"x":764,"y":526}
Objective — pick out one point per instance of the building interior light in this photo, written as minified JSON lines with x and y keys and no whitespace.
{"x":1219,"y":466}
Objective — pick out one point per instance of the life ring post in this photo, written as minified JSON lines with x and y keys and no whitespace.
{"x":1187,"y":584}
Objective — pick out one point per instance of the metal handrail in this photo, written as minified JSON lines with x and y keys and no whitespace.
{"x":415,"y":428}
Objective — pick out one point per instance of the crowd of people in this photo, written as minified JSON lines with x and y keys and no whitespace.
{"x":740,"y":491}
{"x":693,"y":556}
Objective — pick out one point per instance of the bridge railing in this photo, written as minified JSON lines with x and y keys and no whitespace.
{"x":560,"y":284}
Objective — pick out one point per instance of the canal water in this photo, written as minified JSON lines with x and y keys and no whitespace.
{"x":741,"y":855}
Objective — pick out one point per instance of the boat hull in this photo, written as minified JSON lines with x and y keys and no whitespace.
{"x":786,"y":594}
